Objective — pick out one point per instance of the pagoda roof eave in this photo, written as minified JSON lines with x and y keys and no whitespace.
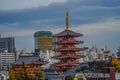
{"x":68,"y":32}
{"x":68,"y":56}
{"x":69,"y":41}
{"x":66,"y":64}
{"x":66,"y":49}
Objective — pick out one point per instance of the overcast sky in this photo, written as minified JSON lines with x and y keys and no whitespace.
{"x":98,"y":20}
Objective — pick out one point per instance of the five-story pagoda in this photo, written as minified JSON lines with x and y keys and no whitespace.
{"x":66,"y":48}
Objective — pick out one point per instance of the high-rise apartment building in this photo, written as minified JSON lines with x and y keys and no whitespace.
{"x":43,"y":40}
{"x":8,"y":44}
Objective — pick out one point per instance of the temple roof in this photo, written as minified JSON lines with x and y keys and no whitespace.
{"x":69,"y":41}
{"x":66,"y":64}
{"x":29,"y":60}
{"x":71,"y":49}
{"x":68,"y":32}
{"x":67,"y":56}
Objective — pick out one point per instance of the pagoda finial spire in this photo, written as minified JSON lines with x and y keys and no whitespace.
{"x":67,"y":19}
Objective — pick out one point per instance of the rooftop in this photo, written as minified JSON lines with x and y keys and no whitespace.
{"x":29,"y":60}
{"x":42,"y":33}
{"x":68,"y":32}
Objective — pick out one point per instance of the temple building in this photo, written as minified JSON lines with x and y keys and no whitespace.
{"x":68,"y":54}
{"x":28,"y":65}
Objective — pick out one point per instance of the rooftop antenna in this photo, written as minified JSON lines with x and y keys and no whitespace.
{"x":67,"y":19}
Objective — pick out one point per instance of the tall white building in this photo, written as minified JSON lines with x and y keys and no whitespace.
{"x":6,"y":59}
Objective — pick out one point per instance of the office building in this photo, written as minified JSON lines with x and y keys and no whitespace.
{"x":43,"y":41}
{"x":8,"y":44}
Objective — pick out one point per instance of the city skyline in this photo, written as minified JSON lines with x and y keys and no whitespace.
{"x":98,"y":20}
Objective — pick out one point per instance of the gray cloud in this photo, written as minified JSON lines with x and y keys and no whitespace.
{"x":24,"y":4}
{"x":81,"y":13}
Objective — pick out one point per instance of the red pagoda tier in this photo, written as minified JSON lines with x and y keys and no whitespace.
{"x":66,"y":47}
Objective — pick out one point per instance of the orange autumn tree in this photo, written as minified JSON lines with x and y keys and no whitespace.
{"x":116,"y":63}
{"x":11,"y":73}
{"x":39,"y":75}
{"x":20,"y":74}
